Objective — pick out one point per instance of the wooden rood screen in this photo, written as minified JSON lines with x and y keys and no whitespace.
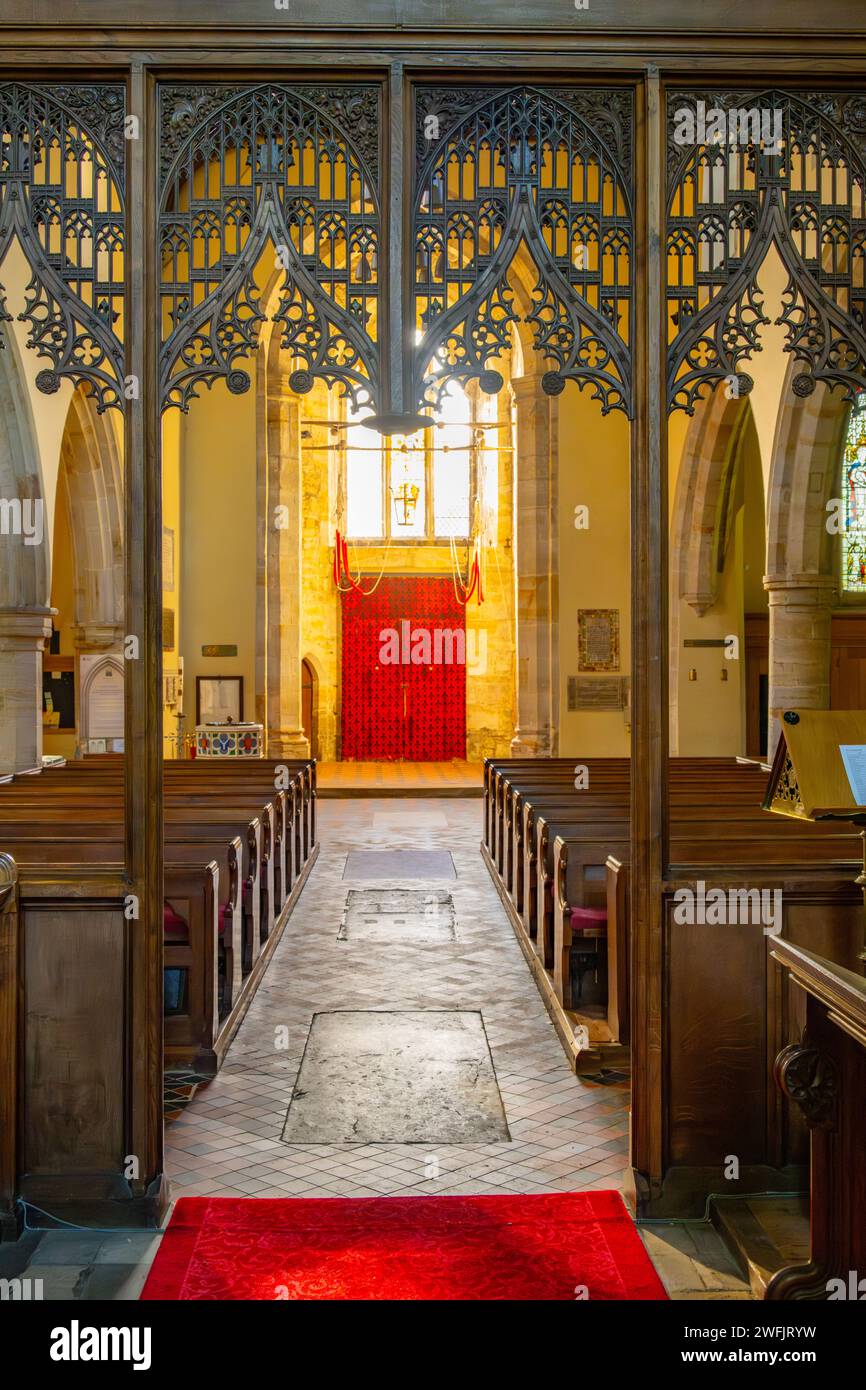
{"x":395,"y":279}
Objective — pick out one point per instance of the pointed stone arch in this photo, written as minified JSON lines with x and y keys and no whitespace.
{"x":702,"y":497}
{"x":25,"y":615}
{"x":91,"y":480}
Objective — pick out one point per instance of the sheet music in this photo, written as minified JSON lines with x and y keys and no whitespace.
{"x":854,"y":758}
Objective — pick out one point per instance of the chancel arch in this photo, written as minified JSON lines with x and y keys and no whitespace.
{"x":25,"y":612}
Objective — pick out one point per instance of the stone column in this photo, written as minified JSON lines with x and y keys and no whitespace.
{"x":801,"y":608}
{"x":284,"y":524}
{"x":23,"y":634}
{"x":534,"y":570}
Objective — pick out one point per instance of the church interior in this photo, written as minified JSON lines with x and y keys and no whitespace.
{"x":432,"y":655}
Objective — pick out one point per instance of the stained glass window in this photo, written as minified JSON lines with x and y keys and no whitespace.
{"x":854,"y":493}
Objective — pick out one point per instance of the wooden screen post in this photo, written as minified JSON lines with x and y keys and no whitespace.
{"x":143,"y":621}
{"x":649,"y":747}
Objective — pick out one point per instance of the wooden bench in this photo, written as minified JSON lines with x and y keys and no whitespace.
{"x":548,"y":847}
{"x":236,"y":849}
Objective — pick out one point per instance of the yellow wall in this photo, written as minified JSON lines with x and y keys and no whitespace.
{"x":320,"y":612}
{"x":218,"y":546}
{"x":171,"y":519}
{"x":594,"y":564}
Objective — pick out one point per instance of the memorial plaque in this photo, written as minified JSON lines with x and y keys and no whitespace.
{"x":598,"y":639}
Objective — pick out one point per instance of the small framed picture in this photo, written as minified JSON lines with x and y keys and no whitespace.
{"x":219,"y":699}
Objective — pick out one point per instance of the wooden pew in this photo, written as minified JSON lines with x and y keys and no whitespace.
{"x":216,"y":930}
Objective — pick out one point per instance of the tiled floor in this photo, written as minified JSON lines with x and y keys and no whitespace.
{"x":566,"y":1133}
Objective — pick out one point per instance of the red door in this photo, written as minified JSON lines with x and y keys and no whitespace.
{"x":404,"y":672}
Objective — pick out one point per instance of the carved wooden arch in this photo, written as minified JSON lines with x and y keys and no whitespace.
{"x":294,"y":167}
{"x":804,"y":476}
{"x":92,"y":472}
{"x":728,"y":201}
{"x":702,"y":502}
{"x":62,"y":175}
{"x":543,"y":169}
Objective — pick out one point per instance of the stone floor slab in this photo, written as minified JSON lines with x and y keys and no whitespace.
{"x":389,"y":915}
{"x":403,"y":1077}
{"x":399,"y":863}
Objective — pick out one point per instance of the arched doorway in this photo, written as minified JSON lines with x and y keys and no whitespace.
{"x":310,"y":705}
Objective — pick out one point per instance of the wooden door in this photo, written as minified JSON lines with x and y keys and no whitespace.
{"x":404,"y":671}
{"x":309,"y":711}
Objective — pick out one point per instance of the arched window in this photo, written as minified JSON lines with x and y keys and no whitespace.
{"x":424,"y":488}
{"x":854,"y":497}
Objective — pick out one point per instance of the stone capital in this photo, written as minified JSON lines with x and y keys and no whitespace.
{"x":25,"y":627}
{"x":816,"y":590}
{"x":528,"y":388}
{"x":96,"y":637}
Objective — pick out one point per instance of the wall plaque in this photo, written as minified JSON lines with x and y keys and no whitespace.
{"x":598,"y":639}
{"x":213,"y":650}
{"x":605,"y":693}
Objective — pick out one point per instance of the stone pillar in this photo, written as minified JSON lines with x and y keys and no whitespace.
{"x":801,"y":608}
{"x":284,"y":524}
{"x":534,"y":571}
{"x":23,"y":634}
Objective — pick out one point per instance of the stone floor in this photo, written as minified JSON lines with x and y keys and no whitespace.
{"x":566,"y":1133}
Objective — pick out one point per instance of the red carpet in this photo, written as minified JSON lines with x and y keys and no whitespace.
{"x":541,"y":1247}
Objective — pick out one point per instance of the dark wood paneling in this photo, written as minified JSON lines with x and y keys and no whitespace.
{"x":848,"y":662}
{"x":716,"y":1044}
{"x":10,"y":945}
{"x":74,"y":1055}
{"x":841,"y":16}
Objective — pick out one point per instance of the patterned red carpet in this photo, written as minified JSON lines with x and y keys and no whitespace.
{"x":559,"y":1246}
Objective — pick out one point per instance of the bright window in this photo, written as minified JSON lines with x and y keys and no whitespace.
{"x":364,"y":483}
{"x":452,"y":466}
{"x":424,"y":487}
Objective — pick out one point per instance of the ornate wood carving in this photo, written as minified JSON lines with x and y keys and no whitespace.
{"x":294,"y":166}
{"x":545,"y":167}
{"x":810,"y":1079}
{"x":62,"y":161}
{"x":800,"y":183}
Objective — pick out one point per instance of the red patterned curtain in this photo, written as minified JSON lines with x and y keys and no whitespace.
{"x":404,"y":671}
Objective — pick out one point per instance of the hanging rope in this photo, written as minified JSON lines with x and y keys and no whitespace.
{"x":342,"y":568}
{"x":474,"y":583}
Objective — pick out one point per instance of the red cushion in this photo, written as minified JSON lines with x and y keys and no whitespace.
{"x":172,"y":925}
{"x":226,"y":916}
{"x":588,"y":919}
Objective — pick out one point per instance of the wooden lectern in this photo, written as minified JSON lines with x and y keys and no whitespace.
{"x":819,"y":771}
